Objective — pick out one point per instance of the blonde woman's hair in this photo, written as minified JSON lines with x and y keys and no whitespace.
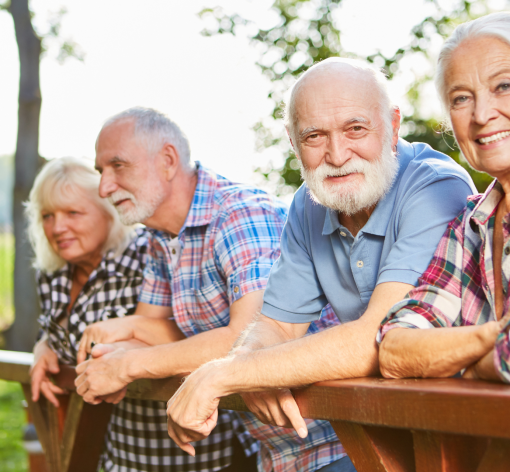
{"x":58,"y":179}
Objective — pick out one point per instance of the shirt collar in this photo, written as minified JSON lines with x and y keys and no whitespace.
{"x":380,"y":218}
{"x":487,"y":205}
{"x":202,"y":206}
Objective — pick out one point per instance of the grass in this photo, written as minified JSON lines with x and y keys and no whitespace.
{"x":6,"y":280}
{"x":13,"y":457}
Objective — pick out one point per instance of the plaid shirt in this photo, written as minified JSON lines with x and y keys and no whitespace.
{"x":229,"y":243}
{"x":458,"y":287}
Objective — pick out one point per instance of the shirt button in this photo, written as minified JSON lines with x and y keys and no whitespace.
{"x":359,"y":264}
{"x":64,"y":343}
{"x":343,"y":234}
{"x":507,"y":250}
{"x":236,"y":289}
{"x":174,"y":251}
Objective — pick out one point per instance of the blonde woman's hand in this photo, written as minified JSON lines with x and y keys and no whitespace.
{"x":45,"y":363}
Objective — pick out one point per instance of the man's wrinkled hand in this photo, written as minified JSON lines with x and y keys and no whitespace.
{"x":102,"y":376}
{"x":104,"y":332}
{"x":193,"y":410}
{"x":277,"y":407}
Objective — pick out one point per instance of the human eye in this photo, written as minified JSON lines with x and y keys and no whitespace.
{"x":503,"y":87}
{"x":46,"y":216}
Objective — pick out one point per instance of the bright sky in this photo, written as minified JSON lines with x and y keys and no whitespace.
{"x":151,"y":53}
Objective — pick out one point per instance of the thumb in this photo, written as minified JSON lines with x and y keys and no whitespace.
{"x":101,"y":349}
{"x":291,"y":409}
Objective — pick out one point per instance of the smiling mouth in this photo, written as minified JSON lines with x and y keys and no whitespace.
{"x":120,"y":202}
{"x":494,"y":138}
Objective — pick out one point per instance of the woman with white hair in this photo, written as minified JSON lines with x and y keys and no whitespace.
{"x":466,"y":286}
{"x":89,"y":267}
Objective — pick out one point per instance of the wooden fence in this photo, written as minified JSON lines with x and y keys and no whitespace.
{"x":411,"y":425}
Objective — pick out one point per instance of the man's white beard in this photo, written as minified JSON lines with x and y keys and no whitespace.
{"x":143,"y":207}
{"x":352,"y":197}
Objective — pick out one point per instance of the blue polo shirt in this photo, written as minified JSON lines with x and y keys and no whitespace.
{"x":321,"y":262}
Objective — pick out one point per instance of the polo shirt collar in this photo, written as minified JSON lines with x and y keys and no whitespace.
{"x":379,"y":219}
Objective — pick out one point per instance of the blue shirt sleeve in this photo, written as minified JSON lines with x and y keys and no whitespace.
{"x":422,"y":222}
{"x":293,"y":292}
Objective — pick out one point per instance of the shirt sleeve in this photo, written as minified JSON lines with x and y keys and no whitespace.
{"x":156,"y":284}
{"x":436,"y":301}
{"x":502,"y":354}
{"x":294,"y":294}
{"x":248,"y":243}
{"x":423,"y":220}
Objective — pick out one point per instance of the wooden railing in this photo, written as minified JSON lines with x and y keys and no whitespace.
{"x":449,"y":425}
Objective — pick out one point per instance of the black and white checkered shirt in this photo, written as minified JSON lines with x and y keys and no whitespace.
{"x":137,"y":437}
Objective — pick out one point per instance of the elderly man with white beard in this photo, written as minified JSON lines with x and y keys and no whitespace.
{"x":360,"y":232}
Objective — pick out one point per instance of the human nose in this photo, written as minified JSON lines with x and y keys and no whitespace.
{"x":484,"y":110}
{"x":59,"y":223}
{"x":107,"y":185}
{"x":337,"y":153}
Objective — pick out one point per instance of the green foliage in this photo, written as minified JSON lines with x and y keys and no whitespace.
{"x":6,"y":280}
{"x":13,"y":457}
{"x":306,"y":33}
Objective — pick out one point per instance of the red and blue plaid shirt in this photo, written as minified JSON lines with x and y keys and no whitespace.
{"x":229,"y":242}
{"x":458,"y":287}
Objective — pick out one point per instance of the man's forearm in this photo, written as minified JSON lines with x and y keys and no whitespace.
{"x":341,"y":352}
{"x":438,"y":352}
{"x":178,"y":357}
{"x":154,"y":331}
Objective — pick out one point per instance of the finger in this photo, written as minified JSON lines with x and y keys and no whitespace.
{"x":82,"y":367}
{"x":101,"y":349}
{"x":173,"y":429}
{"x":291,"y":410}
{"x":56,"y":389}
{"x":82,"y":388}
{"x":38,"y":375}
{"x":46,"y":391}
{"x":83,"y":348}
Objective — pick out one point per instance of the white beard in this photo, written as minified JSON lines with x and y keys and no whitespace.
{"x":350,"y":198}
{"x":143,"y":206}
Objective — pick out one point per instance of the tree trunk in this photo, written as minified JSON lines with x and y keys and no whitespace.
{"x":21,"y":335}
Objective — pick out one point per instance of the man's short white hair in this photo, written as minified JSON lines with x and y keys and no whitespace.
{"x":58,"y":179}
{"x":380,"y":81}
{"x":496,"y":25}
{"x":153,"y":130}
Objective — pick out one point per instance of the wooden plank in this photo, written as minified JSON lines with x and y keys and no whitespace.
{"x":74,"y":411}
{"x":444,"y":405}
{"x":90,"y":434}
{"x":497,"y":457}
{"x":15,"y":366}
{"x":447,"y":452}
{"x":376,"y":449}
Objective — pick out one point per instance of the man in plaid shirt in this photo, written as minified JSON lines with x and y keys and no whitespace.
{"x":456,"y":291}
{"x":212,"y":245}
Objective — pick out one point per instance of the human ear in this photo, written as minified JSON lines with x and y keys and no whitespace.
{"x":395,"y":124}
{"x":170,"y":160}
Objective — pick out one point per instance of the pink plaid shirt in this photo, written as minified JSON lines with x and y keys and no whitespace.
{"x":457,"y":289}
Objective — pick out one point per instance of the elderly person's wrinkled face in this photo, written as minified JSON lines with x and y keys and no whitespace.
{"x":477,"y":82}
{"x":344,"y":144}
{"x":77,"y":230}
{"x":128,"y":177}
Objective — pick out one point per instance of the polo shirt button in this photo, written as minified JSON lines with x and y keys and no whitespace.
{"x":343,"y":234}
{"x":174,"y":251}
{"x":507,"y":250}
{"x":236,"y":289}
{"x":360,"y":264}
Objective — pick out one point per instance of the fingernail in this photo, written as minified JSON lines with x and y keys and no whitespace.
{"x":302,"y":432}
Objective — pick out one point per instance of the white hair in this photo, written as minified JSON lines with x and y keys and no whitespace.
{"x":153,"y":130}
{"x":58,"y":179}
{"x":380,"y":80}
{"x":496,"y":25}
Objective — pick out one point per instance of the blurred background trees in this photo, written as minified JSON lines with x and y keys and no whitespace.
{"x":306,"y":32}
{"x":27,"y":161}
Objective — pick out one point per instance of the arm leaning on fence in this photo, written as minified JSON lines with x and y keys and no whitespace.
{"x":404,"y":425}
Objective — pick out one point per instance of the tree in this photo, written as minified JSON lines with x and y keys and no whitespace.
{"x":22,"y":334}
{"x":306,"y":33}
